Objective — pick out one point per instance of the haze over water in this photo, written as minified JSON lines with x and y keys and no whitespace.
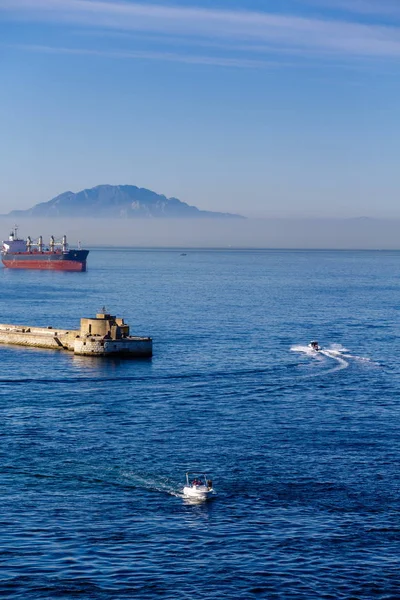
{"x":293,"y":233}
{"x":303,"y":448}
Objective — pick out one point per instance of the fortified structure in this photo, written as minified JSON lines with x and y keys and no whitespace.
{"x":104,"y":335}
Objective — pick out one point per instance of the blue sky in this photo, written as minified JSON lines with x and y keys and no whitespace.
{"x":269,"y":108}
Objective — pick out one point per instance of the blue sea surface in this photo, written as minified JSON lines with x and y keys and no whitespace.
{"x":303,"y":448}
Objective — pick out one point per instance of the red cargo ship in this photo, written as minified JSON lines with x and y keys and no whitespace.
{"x":27,"y":254}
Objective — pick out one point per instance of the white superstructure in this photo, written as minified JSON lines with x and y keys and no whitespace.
{"x":13,"y":244}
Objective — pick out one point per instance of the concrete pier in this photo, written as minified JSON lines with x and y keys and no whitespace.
{"x":104,"y":335}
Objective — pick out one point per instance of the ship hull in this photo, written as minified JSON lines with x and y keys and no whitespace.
{"x":73,"y":260}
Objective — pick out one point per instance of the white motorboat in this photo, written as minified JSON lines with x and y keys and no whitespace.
{"x":314,"y":346}
{"x":198,"y":486}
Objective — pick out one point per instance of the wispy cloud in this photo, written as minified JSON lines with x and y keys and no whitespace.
{"x":338,"y":37}
{"x":143,"y":55}
{"x":379,"y":8}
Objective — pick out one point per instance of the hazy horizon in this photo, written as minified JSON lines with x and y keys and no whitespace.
{"x":245,"y":211}
{"x":368,"y":234}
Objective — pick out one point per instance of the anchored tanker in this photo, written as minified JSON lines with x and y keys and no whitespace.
{"x":29,"y":254}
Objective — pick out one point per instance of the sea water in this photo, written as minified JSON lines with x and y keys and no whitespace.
{"x":303,"y":447}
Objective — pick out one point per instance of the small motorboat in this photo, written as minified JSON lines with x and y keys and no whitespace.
{"x":198,"y":486}
{"x":314,"y":346}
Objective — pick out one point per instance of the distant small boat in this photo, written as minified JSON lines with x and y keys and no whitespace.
{"x":198,"y":486}
{"x":314,"y":346}
{"x":183,"y":254}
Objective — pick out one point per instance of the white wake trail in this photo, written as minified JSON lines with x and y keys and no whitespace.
{"x":306,"y":350}
{"x":335,"y":355}
{"x":335,"y":352}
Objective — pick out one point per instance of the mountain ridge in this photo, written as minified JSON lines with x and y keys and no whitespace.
{"x":117,"y":201}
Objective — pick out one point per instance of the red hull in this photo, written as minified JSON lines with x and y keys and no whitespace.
{"x":45,"y":265}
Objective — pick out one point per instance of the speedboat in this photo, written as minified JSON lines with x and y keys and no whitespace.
{"x":314,"y":346}
{"x":198,"y":486}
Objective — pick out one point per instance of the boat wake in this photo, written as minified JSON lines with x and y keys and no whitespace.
{"x":335,"y":355}
{"x":104,"y":476}
{"x":306,"y":350}
{"x":335,"y":352}
{"x":151,"y":483}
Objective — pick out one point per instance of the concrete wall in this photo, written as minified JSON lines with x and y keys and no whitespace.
{"x":28,"y":339}
{"x":39,"y":337}
{"x":139,"y":347}
{"x":48,"y":331}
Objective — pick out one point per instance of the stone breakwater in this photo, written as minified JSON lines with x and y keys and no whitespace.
{"x":104,"y":335}
{"x":38,"y":337}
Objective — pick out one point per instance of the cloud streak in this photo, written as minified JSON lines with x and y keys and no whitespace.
{"x":380,"y":8}
{"x":143,"y":55}
{"x":337,"y":37}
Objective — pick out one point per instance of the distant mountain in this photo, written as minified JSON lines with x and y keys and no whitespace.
{"x":118,"y":201}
